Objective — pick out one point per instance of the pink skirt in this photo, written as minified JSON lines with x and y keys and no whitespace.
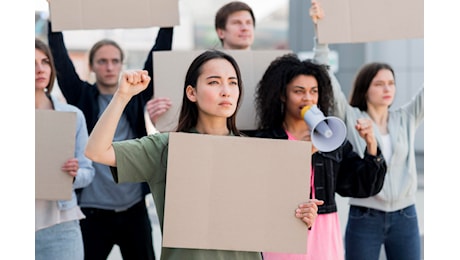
{"x":324,"y":241}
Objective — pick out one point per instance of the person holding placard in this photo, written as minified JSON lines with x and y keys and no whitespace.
{"x":234,"y":24}
{"x":211,"y":95}
{"x":57,"y":222}
{"x":286,"y":88}
{"x":115,"y":214}
{"x":388,"y":218}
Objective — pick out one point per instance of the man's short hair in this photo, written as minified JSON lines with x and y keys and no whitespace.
{"x":225,"y":11}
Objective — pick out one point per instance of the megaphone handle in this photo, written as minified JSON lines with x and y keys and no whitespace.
{"x":323,"y":129}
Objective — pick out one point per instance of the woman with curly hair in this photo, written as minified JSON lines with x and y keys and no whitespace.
{"x":287,"y":86}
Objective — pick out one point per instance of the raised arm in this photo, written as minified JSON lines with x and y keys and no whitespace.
{"x":321,"y":55}
{"x":163,"y":42}
{"x":415,"y":106}
{"x":99,"y":147}
{"x":157,"y":106}
{"x":365,"y":128}
{"x":68,"y":79}
{"x":321,"y":51}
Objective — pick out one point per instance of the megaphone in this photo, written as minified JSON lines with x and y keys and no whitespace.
{"x":327,"y":133}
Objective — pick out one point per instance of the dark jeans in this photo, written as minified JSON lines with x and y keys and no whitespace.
{"x":367,"y":229}
{"x":130,"y":230}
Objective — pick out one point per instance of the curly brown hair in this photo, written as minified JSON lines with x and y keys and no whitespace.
{"x":271,"y":89}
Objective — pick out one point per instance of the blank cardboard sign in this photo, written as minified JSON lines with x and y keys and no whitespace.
{"x":112,"y":14}
{"x":353,"y":21}
{"x":236,"y":193}
{"x":54,"y":145}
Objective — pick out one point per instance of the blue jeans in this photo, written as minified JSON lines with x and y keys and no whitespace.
{"x":367,"y":229}
{"x":61,"y":241}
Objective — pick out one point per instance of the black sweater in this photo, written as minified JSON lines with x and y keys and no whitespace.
{"x":85,"y":95}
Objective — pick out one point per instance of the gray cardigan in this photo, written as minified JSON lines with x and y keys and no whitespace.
{"x":400,"y":186}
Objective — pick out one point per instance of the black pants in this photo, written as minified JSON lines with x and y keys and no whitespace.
{"x":130,"y":230}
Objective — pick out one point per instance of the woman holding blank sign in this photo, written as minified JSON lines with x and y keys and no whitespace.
{"x":115,"y":214}
{"x":212,"y":92}
{"x":57,"y":226}
{"x":389,"y":218}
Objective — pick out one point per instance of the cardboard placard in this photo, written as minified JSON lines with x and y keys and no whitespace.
{"x":54,"y":144}
{"x":237,"y":193}
{"x":354,"y":21}
{"x":111,"y":14}
{"x":170,"y":68}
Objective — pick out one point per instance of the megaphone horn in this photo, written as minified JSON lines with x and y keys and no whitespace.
{"x":327,"y":133}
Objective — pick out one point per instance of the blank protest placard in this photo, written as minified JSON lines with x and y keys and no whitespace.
{"x":112,"y":14}
{"x":236,"y":193}
{"x":54,"y":145}
{"x":354,"y":21}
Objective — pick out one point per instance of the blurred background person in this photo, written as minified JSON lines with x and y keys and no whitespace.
{"x":57,"y":223}
{"x":116,"y":214}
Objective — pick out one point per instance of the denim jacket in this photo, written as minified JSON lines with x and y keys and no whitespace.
{"x":85,"y":172}
{"x":342,"y":171}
